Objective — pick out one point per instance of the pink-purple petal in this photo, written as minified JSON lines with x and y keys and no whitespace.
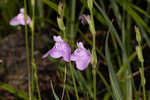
{"x":14,"y":21}
{"x":60,"y":49}
{"x":58,"y":39}
{"x":45,"y":55}
{"x":21,"y":10}
{"x":83,"y":63}
{"x":19,"y":19}
{"x":81,"y":56}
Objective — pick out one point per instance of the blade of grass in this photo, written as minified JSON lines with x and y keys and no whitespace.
{"x":95,"y":13}
{"x":18,"y":93}
{"x":139,"y":9}
{"x":51,"y":4}
{"x":133,"y":14}
{"x":125,"y":59}
{"x":87,"y":86}
{"x":73,"y":14}
{"x":27,"y":52}
{"x":113,"y":79}
{"x":74,"y":81}
{"x":55,"y":95}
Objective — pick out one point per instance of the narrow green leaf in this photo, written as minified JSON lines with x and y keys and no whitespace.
{"x":19,"y":93}
{"x":51,"y":5}
{"x":55,"y":95}
{"x":113,"y":79}
{"x":133,"y":14}
{"x":139,"y":9}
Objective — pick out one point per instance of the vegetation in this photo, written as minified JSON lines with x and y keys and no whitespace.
{"x":96,"y":49}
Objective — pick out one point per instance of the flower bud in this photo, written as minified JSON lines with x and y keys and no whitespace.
{"x":61,"y":24}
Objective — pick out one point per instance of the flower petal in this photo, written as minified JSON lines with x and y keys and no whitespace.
{"x":81,"y":56}
{"x":58,"y":39}
{"x":84,"y":19}
{"x":45,"y":55}
{"x":19,"y":19}
{"x":55,"y":53}
{"x":14,"y":21}
{"x":60,"y":49}
{"x":22,"y":10}
{"x":82,"y":64}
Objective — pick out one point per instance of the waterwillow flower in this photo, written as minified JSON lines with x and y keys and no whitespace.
{"x":19,"y":19}
{"x":60,"y":49}
{"x":84,"y":19}
{"x":81,"y":56}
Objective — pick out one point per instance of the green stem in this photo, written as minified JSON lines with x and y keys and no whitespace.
{"x":94,"y":82}
{"x":74,"y":83}
{"x":94,"y":54}
{"x":68,"y":97}
{"x":72,"y":29}
{"x":143,"y":79}
{"x":64,"y":83}
{"x":32,"y":45}
{"x":36,"y":79}
{"x":32,"y":29}
{"x":94,"y":66}
{"x":27,"y":52}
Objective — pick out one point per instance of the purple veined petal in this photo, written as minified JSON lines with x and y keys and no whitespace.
{"x":55,"y":52}
{"x":14,"y":21}
{"x":58,"y":39}
{"x":66,"y":52}
{"x":52,"y":53}
{"x":60,"y":49}
{"x":19,"y":19}
{"x":82,"y":59}
{"x":83,"y":63}
{"x":81,"y":56}
{"x":80,"y":45}
{"x":22,"y":20}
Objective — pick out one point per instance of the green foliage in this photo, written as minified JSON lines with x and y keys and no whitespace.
{"x":116,"y":54}
{"x":19,"y":93}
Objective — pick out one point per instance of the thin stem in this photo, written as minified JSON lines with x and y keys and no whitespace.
{"x":72,"y":28}
{"x":32,"y":44}
{"x":93,"y":53}
{"x":27,"y":52}
{"x":74,"y":83}
{"x":94,"y":67}
{"x":64,"y":83}
{"x":32,"y":29}
{"x":28,"y":65}
{"x":36,"y":79}
{"x":143,"y":79}
{"x":68,"y":97}
{"x":94,"y":82}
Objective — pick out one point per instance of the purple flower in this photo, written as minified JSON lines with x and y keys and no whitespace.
{"x":60,"y":49}
{"x":84,"y":19}
{"x":19,"y":19}
{"x":81,"y":56}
